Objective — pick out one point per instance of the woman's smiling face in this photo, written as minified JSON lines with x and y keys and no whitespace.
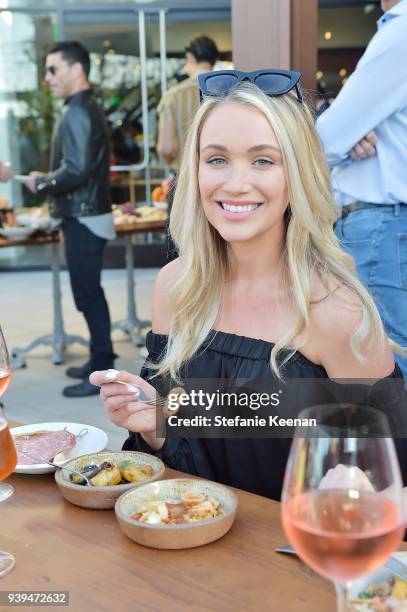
{"x":241,"y":176}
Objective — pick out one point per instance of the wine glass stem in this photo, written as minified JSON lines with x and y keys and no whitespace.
{"x":342,"y":596}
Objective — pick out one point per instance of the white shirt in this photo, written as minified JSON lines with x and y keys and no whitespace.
{"x":373,"y":98}
{"x":100,"y":225}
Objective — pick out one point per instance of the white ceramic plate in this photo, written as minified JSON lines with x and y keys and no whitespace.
{"x":94,"y":441}
{"x":380,"y":576}
{"x":160,"y":205}
{"x":16,"y":233}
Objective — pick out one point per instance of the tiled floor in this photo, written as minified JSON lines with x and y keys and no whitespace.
{"x":26,"y":312}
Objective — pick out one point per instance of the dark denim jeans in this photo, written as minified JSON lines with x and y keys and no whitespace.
{"x":377,"y":240}
{"x":84,"y":256}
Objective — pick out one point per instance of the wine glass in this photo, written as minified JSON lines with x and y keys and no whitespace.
{"x":342,"y":493}
{"x":8,"y":455}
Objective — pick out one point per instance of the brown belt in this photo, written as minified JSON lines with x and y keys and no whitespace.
{"x":362,"y":206}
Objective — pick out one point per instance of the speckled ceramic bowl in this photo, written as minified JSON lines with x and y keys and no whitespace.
{"x":104,"y":497}
{"x":184,"y":535}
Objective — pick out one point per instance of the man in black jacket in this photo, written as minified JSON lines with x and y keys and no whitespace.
{"x":78,"y":182}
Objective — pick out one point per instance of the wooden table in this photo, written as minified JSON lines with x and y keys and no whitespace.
{"x":59,"y":546}
{"x":58,"y":339}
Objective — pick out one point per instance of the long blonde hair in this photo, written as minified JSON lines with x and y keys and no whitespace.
{"x":311,"y":245}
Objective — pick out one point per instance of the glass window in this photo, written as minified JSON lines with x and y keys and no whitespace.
{"x":343,"y":34}
{"x":26,"y":107}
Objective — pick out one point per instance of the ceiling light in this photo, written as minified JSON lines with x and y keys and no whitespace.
{"x":319,"y":75}
{"x":343,"y":72}
{"x":328,"y":35}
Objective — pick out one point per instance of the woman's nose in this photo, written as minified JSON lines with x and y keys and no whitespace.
{"x":237,"y":180}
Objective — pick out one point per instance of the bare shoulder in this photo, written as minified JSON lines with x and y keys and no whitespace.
{"x":335,"y":308}
{"x":163,"y":309}
{"x":335,"y":316}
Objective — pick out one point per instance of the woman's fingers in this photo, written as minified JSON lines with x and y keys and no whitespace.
{"x":106,"y":379}
{"x":101,"y":377}
{"x":133,"y":417}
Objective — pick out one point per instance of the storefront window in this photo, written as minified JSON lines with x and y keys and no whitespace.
{"x":344,"y":32}
{"x":26,"y":107}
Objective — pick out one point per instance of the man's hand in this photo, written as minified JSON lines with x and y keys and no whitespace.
{"x":30,"y":181}
{"x":5,"y":172}
{"x":365,"y":147}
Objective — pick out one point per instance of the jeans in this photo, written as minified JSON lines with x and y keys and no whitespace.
{"x":84,"y":257}
{"x":377,"y":240}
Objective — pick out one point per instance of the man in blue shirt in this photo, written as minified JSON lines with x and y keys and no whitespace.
{"x":364,"y":133}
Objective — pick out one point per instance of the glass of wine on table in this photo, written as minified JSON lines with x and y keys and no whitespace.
{"x":342,"y":494}
{"x":8,"y":455}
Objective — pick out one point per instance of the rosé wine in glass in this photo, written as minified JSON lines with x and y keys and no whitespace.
{"x":8,"y":454}
{"x":5,"y":377}
{"x":342,"y":494}
{"x":342,"y":537}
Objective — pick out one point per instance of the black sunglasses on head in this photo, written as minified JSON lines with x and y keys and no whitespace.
{"x":272,"y":81}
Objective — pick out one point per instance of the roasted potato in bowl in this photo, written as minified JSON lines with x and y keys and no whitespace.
{"x":105,"y":473}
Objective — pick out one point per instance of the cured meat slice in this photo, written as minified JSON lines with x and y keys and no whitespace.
{"x":42,"y":444}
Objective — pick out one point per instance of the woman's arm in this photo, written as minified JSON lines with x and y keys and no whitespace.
{"x":122,"y":405}
{"x":333,"y":323}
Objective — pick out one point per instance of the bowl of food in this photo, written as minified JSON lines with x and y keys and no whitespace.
{"x":177,"y":513}
{"x":16,"y":233}
{"x":100,"y":478}
{"x":380,"y":591}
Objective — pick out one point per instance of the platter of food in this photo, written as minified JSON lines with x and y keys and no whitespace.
{"x":16,"y":233}
{"x":381,"y":591}
{"x":55,"y":442}
{"x":178,"y":513}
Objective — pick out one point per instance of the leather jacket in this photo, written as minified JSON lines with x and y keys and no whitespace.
{"x":78,"y":180}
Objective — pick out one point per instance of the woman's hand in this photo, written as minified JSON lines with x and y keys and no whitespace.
{"x":123,"y":408}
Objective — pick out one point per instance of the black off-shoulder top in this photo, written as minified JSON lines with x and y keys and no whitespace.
{"x":256,"y":465}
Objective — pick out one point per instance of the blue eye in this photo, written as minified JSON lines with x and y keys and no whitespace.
{"x":264,"y":162}
{"x":216,"y":161}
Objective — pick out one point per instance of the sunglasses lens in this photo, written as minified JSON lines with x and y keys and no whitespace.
{"x":220,"y":83}
{"x":273,"y":83}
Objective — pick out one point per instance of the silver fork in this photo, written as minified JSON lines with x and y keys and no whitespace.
{"x":55,"y":465}
{"x":159,"y":402}
{"x":393,"y":564}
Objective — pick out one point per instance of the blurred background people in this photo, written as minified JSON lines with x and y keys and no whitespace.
{"x":179,"y":104}
{"x":5,"y":172}
{"x":78,"y":182}
{"x":177,"y":109}
{"x":364,"y":133}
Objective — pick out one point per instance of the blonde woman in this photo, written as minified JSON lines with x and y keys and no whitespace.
{"x":261,"y":288}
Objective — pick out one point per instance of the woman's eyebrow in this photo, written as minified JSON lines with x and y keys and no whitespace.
{"x":214,"y":146}
{"x":259,"y":147}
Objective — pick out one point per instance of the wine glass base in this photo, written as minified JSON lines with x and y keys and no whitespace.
{"x":7,"y":562}
{"x":6,"y":490}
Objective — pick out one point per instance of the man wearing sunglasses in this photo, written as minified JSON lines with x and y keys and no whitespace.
{"x":78,"y":183}
{"x":364,"y":133}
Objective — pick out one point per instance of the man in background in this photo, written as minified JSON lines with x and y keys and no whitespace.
{"x":177,"y":108}
{"x":364,"y":133}
{"x":78,"y":182}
